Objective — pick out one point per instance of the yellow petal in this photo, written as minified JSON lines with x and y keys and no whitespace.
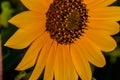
{"x":69,"y":69}
{"x":64,"y":68}
{"x":94,"y":5}
{"x":91,"y":51}
{"x":88,"y":1}
{"x":37,"y":5}
{"x":49,"y":68}
{"x":101,"y":39}
{"x":80,"y":62}
{"x":29,"y":28}
{"x":31,"y":55}
{"x":107,"y":13}
{"x":59,"y":64}
{"x":111,"y":27}
{"x":22,"y":38}
{"x":29,"y":20}
{"x":40,"y":63}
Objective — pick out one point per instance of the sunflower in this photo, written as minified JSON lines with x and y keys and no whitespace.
{"x":64,"y":36}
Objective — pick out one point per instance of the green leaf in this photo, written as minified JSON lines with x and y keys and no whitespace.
{"x":20,"y":75}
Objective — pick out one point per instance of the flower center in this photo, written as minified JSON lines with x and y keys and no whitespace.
{"x":66,"y":20}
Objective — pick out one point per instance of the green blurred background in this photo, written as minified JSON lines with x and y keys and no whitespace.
{"x":12,"y":57}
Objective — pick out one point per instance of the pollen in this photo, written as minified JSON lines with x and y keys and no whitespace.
{"x":66,"y":20}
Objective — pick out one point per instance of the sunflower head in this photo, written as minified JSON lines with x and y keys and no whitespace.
{"x":66,"y":20}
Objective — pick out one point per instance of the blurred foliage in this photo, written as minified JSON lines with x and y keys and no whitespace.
{"x":114,"y":55}
{"x":12,"y":57}
{"x":6,"y":13}
{"x":93,"y":78}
